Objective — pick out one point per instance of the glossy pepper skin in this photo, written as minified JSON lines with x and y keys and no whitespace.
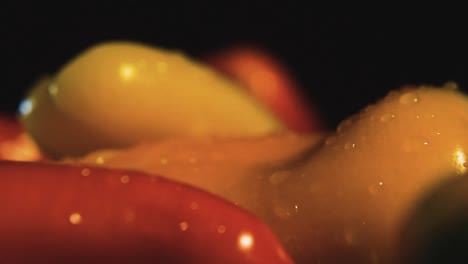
{"x":118,"y":81}
{"x":72,"y":214}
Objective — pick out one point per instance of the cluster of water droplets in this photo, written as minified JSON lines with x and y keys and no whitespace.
{"x":371,"y":117}
{"x":397,"y":110}
{"x":129,"y":215}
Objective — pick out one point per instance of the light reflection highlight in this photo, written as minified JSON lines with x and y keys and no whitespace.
{"x":75,"y":219}
{"x":85,"y":172}
{"x":53,"y":89}
{"x":127,"y":71}
{"x":100,"y":160}
{"x":124,"y":179}
{"x":221,"y":229}
{"x":183,"y":226}
{"x":245,"y":241}
{"x":26,"y":106}
{"x":459,"y":160}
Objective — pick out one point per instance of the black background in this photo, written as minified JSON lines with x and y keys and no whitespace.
{"x":343,"y":60}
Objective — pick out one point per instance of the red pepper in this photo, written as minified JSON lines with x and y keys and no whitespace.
{"x":9,"y":128}
{"x":267,"y":78}
{"x":52,"y":213}
{"x":15,"y":144}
